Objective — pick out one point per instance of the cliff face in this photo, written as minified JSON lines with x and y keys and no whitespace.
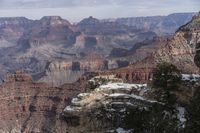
{"x":67,"y":71}
{"x":138,"y":72}
{"x":180,"y":50}
{"x":33,"y":107}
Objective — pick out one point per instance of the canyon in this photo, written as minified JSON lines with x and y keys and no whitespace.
{"x":55,"y":51}
{"x":55,"y":91}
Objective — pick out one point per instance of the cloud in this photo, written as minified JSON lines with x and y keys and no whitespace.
{"x":95,"y":3}
{"x":75,"y":10}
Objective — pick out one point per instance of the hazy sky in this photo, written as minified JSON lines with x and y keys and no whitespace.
{"x":75,"y":10}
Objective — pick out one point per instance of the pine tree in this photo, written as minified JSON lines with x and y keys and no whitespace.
{"x":166,"y":78}
{"x":193,"y":114}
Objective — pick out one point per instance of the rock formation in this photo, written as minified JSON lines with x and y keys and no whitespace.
{"x":112,"y":96}
{"x":180,"y":50}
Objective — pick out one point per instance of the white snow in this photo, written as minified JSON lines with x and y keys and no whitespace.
{"x":121,"y":130}
{"x":114,"y":86}
{"x":75,"y":100}
{"x":181,"y":116}
{"x":130,"y":96}
{"x":69,"y":108}
{"x":190,"y":77}
{"x":126,"y":96}
{"x":83,"y":94}
{"x":109,"y":77}
{"x":116,"y":95}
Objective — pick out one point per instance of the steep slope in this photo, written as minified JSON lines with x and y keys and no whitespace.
{"x":180,"y":50}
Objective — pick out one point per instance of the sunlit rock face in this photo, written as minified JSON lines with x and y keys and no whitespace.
{"x":196,"y":22}
{"x":180,"y":50}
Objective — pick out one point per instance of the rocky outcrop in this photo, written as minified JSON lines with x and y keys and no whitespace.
{"x":112,"y":96}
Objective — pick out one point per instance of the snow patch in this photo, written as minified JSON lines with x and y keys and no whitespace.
{"x":83,"y":94}
{"x":121,"y":130}
{"x":190,"y":77}
{"x":181,"y":116}
{"x":115,"y":86}
{"x":69,"y":108}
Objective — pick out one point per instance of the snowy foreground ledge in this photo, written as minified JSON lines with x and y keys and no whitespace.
{"x":114,"y":93}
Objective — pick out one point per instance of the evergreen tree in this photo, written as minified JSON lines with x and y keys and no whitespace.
{"x":152,"y":120}
{"x":193,"y":114}
{"x":166,"y":78}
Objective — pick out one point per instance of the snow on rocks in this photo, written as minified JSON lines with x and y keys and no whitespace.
{"x":190,"y":77}
{"x":121,"y":130}
{"x":115,"y":86}
{"x":181,"y":116}
{"x":112,"y":93}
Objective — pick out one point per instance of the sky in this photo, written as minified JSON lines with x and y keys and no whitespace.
{"x":75,"y":10}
